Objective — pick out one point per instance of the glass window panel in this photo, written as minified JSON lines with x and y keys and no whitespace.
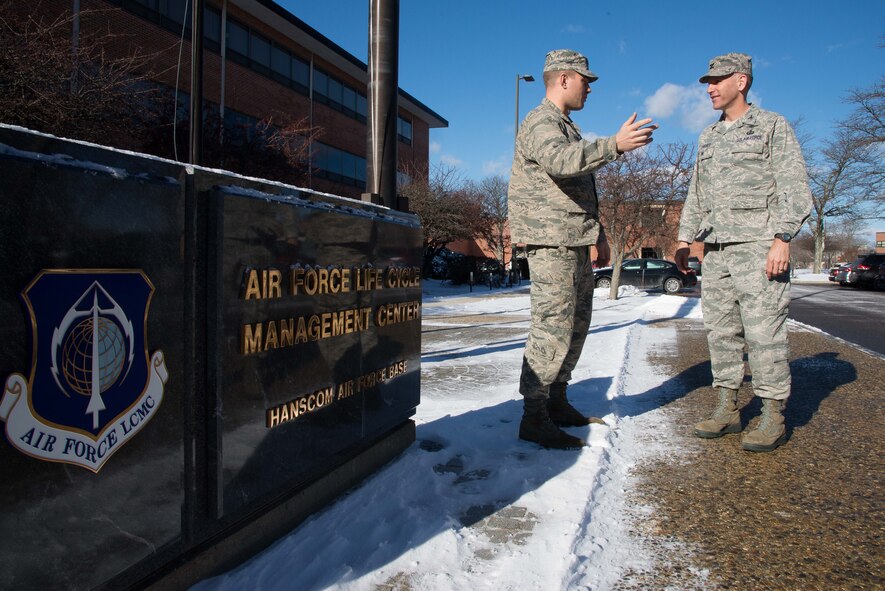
{"x":300,"y":71}
{"x":259,"y":50}
{"x":175,"y":10}
{"x":152,"y":4}
{"x":320,"y":83}
{"x":237,"y":38}
{"x":362,"y":105}
{"x":319,"y":156}
{"x":334,"y":161}
{"x":212,"y":24}
{"x":281,"y":61}
{"x":335,"y":89}
{"x":348,"y":98}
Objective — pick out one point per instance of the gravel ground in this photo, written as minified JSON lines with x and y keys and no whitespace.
{"x":807,"y":516}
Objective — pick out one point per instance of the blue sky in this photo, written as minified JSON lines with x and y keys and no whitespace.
{"x":461,"y":59}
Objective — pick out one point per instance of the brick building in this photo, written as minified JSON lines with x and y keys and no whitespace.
{"x":260,"y":62}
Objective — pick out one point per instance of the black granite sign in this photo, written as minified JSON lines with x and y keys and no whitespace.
{"x":183,"y":350}
{"x":318,"y":336}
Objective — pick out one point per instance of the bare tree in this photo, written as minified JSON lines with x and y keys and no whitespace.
{"x":846,"y":184}
{"x":494,"y":200}
{"x":847,"y":174}
{"x":867,"y":121}
{"x":637,"y":195}
{"x":448,"y":207}
{"x":76,"y":90}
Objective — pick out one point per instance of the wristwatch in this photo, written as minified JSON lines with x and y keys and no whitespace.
{"x":786,"y":237}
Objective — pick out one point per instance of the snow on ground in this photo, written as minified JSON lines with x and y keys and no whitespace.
{"x":431,"y":518}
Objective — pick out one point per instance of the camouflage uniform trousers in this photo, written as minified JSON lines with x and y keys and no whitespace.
{"x":740,"y":304}
{"x":562,"y":303}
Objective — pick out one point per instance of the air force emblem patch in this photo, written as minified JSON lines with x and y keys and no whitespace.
{"x":92,"y":385}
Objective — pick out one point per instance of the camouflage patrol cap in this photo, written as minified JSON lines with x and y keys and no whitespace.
{"x":725,"y":65}
{"x":567,"y":59}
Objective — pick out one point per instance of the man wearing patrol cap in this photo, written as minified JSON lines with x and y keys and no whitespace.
{"x":748,"y":197}
{"x":553,"y":209}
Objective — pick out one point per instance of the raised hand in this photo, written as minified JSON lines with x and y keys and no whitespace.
{"x":634,"y":134}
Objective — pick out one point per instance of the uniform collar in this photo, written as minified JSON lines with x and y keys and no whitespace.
{"x":551,"y":105}
{"x":748,"y":118}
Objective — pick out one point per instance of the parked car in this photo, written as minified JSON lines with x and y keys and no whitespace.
{"x":862,"y":272}
{"x":694,"y":264}
{"x":834,"y":270}
{"x":647,"y":274}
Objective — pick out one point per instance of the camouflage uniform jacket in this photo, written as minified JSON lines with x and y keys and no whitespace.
{"x":552,"y":195}
{"x":749,"y":182}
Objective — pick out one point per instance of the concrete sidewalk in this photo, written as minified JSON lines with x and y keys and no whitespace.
{"x":806,"y":516}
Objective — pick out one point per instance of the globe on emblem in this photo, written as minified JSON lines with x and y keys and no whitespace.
{"x":77,"y":362}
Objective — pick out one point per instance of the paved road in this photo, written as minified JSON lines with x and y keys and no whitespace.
{"x":856,"y":315}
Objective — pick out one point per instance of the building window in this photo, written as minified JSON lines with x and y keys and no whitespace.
{"x":237,"y":42}
{"x":281,"y":64}
{"x":362,"y":107}
{"x":339,"y":166}
{"x":151,"y":5}
{"x":238,"y":128}
{"x":328,"y":90}
{"x":176,"y":11}
{"x":260,"y":54}
{"x":334,"y":94}
{"x":348,"y":101}
{"x":320,"y":86}
{"x":404,"y":130}
{"x":212,"y":28}
{"x":300,"y":74}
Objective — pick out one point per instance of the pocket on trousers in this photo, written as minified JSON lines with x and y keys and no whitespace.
{"x":542,"y":353}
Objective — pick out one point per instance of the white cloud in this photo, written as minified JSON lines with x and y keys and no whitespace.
{"x":575,"y":29}
{"x":435,"y":148}
{"x":451,"y":160}
{"x":665,"y":100}
{"x":696,"y":111}
{"x":499,"y":167}
{"x":622,"y":47}
{"x":690,"y":103}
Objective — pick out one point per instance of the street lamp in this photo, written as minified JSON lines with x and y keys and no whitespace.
{"x":527,"y":78}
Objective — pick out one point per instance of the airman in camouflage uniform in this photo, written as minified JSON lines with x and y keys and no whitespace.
{"x":748,"y":197}
{"x":553,"y":209}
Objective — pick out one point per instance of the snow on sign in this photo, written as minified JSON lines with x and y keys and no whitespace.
{"x":92,"y":384}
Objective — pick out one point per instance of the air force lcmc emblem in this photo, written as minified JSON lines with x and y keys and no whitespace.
{"x":92,"y":385}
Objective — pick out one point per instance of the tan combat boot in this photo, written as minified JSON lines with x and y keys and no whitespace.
{"x":770,"y":431}
{"x":537,"y":427}
{"x":562,"y":413}
{"x":726,"y":417}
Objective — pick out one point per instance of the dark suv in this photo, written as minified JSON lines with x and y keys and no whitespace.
{"x":863,"y":271}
